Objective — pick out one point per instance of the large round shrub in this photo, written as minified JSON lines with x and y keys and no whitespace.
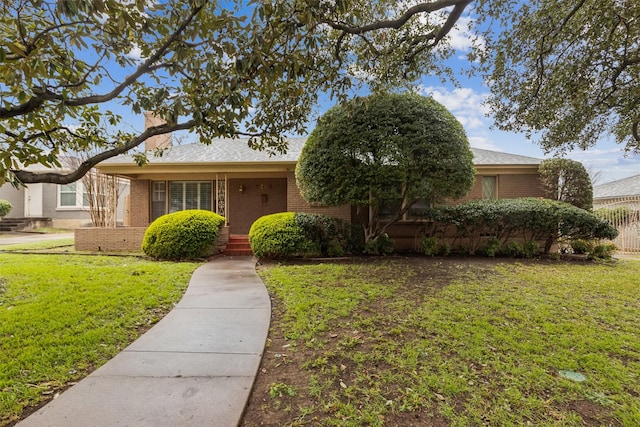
{"x":278,"y":235}
{"x":5,"y":208}
{"x":181,"y":235}
{"x":290,"y":234}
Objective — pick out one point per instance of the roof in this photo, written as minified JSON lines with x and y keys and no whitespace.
{"x":222,"y":150}
{"x":621,"y":188}
{"x":238,"y":151}
{"x":483,"y":157}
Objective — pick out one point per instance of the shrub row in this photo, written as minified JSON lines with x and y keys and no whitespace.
{"x":525,"y":219}
{"x":187,"y":234}
{"x":290,"y":234}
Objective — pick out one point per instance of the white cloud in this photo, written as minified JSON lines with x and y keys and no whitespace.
{"x":462,"y":38}
{"x":465,"y":103}
{"x":135,"y":53}
{"x":482,"y":142}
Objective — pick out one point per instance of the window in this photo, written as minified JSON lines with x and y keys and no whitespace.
{"x":416,"y":210}
{"x":174,"y":196}
{"x":72,"y":196}
{"x":489,"y":187}
{"x":158,"y":199}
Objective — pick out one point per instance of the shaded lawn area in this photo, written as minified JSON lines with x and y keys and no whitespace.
{"x":450,"y":342}
{"x":62,"y":316}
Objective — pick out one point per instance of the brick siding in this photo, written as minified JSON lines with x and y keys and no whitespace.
{"x":124,"y":239}
{"x":139,"y":203}
{"x":120,"y":239}
{"x":295,"y":203}
{"x":510,"y":186}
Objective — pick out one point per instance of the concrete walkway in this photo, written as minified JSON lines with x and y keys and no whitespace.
{"x":195,"y":367}
{"x":19,"y":238}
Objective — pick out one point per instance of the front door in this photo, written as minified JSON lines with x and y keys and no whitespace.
{"x":249,"y":199}
{"x":33,"y":201}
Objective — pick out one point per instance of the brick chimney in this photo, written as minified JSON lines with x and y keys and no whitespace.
{"x":157,"y":141}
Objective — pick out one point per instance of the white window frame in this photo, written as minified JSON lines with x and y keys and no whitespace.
{"x":80,"y":192}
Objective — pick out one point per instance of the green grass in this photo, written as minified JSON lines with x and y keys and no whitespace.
{"x":453,"y":342}
{"x":62,"y":316}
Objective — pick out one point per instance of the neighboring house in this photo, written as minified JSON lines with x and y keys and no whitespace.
{"x":59,"y":206}
{"x":617,"y":193}
{"x":619,"y":203}
{"x":243,"y":184}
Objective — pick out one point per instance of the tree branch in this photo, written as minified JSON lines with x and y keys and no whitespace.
{"x":27,"y":177}
{"x":399,"y":22}
{"x":47,"y":95}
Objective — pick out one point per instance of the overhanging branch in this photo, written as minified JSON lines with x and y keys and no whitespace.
{"x":28,"y":177}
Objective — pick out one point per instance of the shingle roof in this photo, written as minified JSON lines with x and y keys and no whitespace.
{"x":488,"y":157}
{"x":621,"y":188}
{"x":238,"y":151}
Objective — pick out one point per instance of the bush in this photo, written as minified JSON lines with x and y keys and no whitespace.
{"x":492,"y":248}
{"x":188,"y":234}
{"x":531,"y":249}
{"x":602,"y":251}
{"x":431,"y":247}
{"x":5,"y":208}
{"x":290,"y":234}
{"x":581,"y":246}
{"x":511,"y":250}
{"x":333,"y":236}
{"x":381,"y":245}
{"x":533,"y":219}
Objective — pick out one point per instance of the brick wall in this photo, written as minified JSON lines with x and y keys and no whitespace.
{"x":139,"y":203}
{"x":124,"y":239}
{"x":510,"y":186}
{"x":120,"y":239}
{"x":295,"y":203}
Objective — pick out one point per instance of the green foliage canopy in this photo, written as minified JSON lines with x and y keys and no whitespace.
{"x":385,"y":149}
{"x":568,"y":181}
{"x":567,"y":71}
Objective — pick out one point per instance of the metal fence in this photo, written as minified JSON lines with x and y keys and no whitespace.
{"x":624,"y":214}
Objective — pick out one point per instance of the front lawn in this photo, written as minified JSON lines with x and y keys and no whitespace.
{"x":62,"y":316}
{"x":451,"y":342}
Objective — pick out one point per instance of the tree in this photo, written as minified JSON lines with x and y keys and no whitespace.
{"x":568,"y":181}
{"x":567,"y":70}
{"x":102,"y":193}
{"x":73,"y":71}
{"x":385,"y":150}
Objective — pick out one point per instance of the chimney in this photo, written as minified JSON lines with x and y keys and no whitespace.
{"x":157,"y":141}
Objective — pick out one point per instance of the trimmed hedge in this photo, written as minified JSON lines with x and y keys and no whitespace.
{"x":187,"y":234}
{"x":527,"y":219}
{"x":290,"y":234}
{"x":5,"y":208}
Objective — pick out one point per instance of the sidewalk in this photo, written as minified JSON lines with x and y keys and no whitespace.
{"x":19,"y":238}
{"x":195,"y":367}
